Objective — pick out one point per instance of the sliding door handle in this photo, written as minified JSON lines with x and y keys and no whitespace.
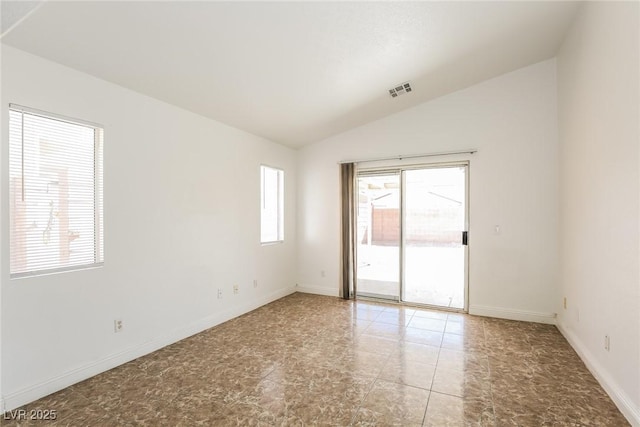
{"x":465,"y":238}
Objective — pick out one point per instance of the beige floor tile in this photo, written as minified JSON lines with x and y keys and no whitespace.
{"x":399,"y":309}
{"x":431,"y":314}
{"x":465,"y":328}
{"x":410,"y":351}
{"x":462,"y":383}
{"x":444,"y":410}
{"x":465,"y":342}
{"x":385,"y":330}
{"x":427,"y":323}
{"x":390,"y":403}
{"x":375,"y":344}
{"x":408,"y":372}
{"x":314,"y":360}
{"x":362,"y":363}
{"x":422,"y":336}
{"x":462,"y":360}
{"x":394,"y":318}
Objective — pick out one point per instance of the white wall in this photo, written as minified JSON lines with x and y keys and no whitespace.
{"x":181,"y":220}
{"x":598,"y":98}
{"x":512,"y":121}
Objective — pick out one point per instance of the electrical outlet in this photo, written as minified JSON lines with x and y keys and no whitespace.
{"x":219,"y":293}
{"x":565,"y":303}
{"x":607,"y":343}
{"x":255,"y":283}
{"x":236,"y":289}
{"x":118,"y":325}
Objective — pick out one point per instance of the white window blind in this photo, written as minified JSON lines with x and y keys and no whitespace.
{"x":55,"y":167}
{"x":272,"y":205}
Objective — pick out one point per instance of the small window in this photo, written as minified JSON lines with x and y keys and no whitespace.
{"x":272,"y":205}
{"x":55,"y":168}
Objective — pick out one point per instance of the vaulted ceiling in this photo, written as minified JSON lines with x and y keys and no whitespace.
{"x":292,"y":72}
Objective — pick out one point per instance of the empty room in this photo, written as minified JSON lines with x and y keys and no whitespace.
{"x":320,"y":213}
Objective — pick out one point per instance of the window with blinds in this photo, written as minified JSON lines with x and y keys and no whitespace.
{"x":55,"y":167}
{"x":272,"y":205}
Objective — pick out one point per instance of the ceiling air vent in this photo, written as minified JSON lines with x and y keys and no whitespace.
{"x":400,"y":89}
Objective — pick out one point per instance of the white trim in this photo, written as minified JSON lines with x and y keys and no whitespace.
{"x":620,"y":398}
{"x":54,"y":116}
{"x":50,"y":271}
{"x":317,"y":290}
{"x":412,"y":156}
{"x":510,"y":314}
{"x":59,"y":382}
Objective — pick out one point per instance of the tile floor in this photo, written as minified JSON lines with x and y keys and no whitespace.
{"x":313,"y":360}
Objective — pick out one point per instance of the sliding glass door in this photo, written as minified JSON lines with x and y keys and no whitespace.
{"x":411,"y":226}
{"x":433,"y":224}
{"x":378,"y":235}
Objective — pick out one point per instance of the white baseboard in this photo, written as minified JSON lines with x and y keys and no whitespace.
{"x":36,"y":391}
{"x":505,"y":313}
{"x":619,"y":397}
{"x":318,"y":290}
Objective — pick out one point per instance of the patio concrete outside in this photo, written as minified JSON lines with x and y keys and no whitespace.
{"x":433,"y":275}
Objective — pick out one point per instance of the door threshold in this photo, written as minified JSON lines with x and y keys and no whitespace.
{"x":435,"y":307}
{"x":410,"y":304}
{"x":377,"y":297}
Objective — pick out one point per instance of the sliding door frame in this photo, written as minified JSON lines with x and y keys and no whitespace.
{"x":400,"y":169}
{"x":379,"y":172}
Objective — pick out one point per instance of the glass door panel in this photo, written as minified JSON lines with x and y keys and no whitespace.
{"x":433,"y":221}
{"x":378,"y":236}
